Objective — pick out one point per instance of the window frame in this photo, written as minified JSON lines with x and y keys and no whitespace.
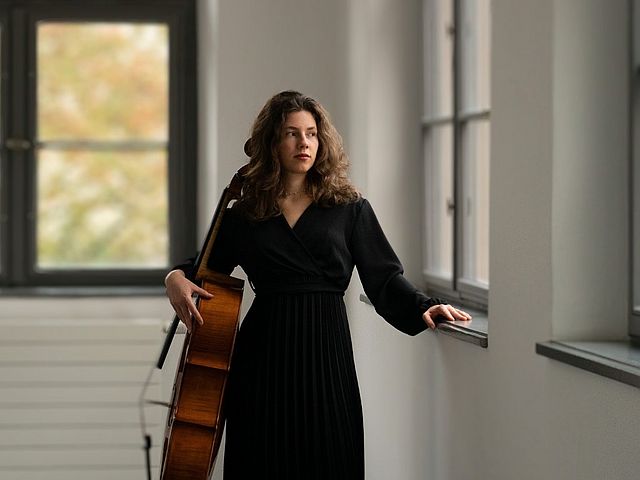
{"x":458,"y":289}
{"x":634,"y":165}
{"x":18,"y":178}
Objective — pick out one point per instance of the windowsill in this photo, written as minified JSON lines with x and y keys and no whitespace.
{"x":82,"y":292}
{"x":475,"y":331}
{"x":616,"y":360}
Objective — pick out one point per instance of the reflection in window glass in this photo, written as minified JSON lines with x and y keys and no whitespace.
{"x":475,"y":49}
{"x":636,"y":236}
{"x":438,"y":147}
{"x":635,"y":189}
{"x":438,"y":51}
{"x":101,"y":161}
{"x":475,"y":211}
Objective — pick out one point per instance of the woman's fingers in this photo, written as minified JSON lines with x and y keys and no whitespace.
{"x":445,"y":311}
{"x":426,"y":316}
{"x":183,"y":314}
{"x":449,"y":313}
{"x":202,"y":292}
{"x":462,"y":315}
{"x":180,"y":291}
{"x":194,"y":312}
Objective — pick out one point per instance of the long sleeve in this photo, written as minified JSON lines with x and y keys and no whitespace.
{"x":393,"y":296}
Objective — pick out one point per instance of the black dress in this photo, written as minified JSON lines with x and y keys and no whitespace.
{"x":294,"y":409}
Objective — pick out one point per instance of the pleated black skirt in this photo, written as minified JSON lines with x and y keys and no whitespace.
{"x":293,"y":405}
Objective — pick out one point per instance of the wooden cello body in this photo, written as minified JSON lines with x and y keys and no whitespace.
{"x":196,"y":417}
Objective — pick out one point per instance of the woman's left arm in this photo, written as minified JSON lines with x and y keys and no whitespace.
{"x":393,"y":296}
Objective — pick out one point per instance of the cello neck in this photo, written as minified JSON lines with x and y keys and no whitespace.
{"x":230,"y":193}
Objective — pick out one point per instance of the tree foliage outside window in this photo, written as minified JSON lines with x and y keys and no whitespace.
{"x":102,"y":197}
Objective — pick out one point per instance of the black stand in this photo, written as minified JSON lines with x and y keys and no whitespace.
{"x":163,"y":355}
{"x":147,"y":449}
{"x":167,"y":342}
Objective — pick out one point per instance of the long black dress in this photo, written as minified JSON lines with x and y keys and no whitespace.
{"x":294,"y":409}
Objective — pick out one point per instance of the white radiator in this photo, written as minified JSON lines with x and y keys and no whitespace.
{"x":69,"y":398}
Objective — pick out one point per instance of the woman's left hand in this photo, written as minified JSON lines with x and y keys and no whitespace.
{"x":447,"y":311}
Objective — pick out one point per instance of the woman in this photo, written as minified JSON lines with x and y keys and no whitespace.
{"x":299,"y":228}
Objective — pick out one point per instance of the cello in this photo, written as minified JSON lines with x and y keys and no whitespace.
{"x":196,"y":413}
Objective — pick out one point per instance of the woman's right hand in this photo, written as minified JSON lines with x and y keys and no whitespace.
{"x":180,"y":291}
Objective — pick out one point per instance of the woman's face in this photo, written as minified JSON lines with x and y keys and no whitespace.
{"x":298,"y":144}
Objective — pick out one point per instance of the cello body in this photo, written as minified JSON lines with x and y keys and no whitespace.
{"x":196,"y":417}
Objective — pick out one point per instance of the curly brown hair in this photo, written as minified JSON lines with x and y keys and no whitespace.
{"x":327,"y":181}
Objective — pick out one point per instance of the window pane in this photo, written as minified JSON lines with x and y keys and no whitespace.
{"x":102,"y":81}
{"x":636,"y":220}
{"x":102,"y":193}
{"x":438,"y":148}
{"x":475,"y":211}
{"x":102,"y":209}
{"x":635,"y":274}
{"x":3,"y":162}
{"x":475,"y":59}
{"x":438,"y":58}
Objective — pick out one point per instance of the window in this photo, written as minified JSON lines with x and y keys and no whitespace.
{"x":456,"y":132}
{"x":98,"y":135}
{"x":634,"y":324}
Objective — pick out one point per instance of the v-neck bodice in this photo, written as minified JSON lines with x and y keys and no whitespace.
{"x":299,"y":217}
{"x":295,"y":224}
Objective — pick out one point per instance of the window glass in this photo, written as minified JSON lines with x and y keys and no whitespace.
{"x":635,"y":227}
{"x":475,"y":61}
{"x":101,"y":157}
{"x":475,"y":210}
{"x":102,"y":209}
{"x":102,"y":81}
{"x":636,"y":235}
{"x":438,"y":50}
{"x":438,"y":148}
